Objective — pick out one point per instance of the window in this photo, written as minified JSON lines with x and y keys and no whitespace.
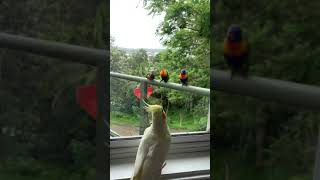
{"x":127,"y":116}
{"x":187,"y":107}
{"x":192,"y":147}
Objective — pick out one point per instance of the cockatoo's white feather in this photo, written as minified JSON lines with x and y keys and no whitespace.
{"x":154,"y":146}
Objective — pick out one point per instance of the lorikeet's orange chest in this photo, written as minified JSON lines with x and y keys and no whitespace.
{"x":163,"y":73}
{"x":183,"y":76}
{"x":235,"y":48}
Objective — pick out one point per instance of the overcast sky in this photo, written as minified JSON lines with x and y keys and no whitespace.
{"x":131,"y":26}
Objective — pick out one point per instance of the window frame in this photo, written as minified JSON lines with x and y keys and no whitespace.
{"x":123,"y":151}
{"x":126,"y":146}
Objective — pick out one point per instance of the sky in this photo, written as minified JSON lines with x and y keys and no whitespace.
{"x":132,"y":27}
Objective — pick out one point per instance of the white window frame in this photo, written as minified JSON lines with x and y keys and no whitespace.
{"x":127,"y":146}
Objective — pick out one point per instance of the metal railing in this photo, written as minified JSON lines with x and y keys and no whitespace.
{"x":143,"y":88}
{"x":82,"y":55}
{"x":290,"y":93}
{"x":286,"y":92}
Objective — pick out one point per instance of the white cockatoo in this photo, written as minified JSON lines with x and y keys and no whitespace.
{"x":154,"y":146}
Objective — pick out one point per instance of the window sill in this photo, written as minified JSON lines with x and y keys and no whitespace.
{"x":182,"y":166}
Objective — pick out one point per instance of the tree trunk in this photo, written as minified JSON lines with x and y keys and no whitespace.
{"x":181,"y":118}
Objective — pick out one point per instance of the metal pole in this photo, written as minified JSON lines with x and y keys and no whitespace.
{"x":179,"y":87}
{"x":305,"y":96}
{"x":143,"y":114}
{"x":316,"y":173}
{"x":102,"y":123}
{"x":64,"y":51}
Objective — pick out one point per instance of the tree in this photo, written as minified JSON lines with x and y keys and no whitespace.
{"x":38,"y":93}
{"x":281,"y":48}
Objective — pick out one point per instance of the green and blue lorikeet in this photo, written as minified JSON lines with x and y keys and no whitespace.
{"x":236,"y":50}
{"x":183,"y":77}
{"x":164,"y":75}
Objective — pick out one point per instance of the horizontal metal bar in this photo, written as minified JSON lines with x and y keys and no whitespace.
{"x":64,"y":51}
{"x":119,"y":142}
{"x":290,"y":93}
{"x":173,"y":152}
{"x":179,"y":87}
{"x":173,"y":146}
{"x":198,"y":177}
{"x":172,"y":135}
{"x":202,"y":174}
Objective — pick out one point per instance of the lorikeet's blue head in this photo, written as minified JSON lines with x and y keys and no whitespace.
{"x":234,"y":33}
{"x":183,"y":71}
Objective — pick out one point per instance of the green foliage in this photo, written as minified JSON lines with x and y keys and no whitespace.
{"x":38,"y":93}
{"x":282,"y":38}
{"x":28,"y":168}
{"x":101,"y":22}
{"x":185,"y":33}
{"x":121,"y":118}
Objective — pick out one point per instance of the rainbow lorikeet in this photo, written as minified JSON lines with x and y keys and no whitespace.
{"x":164,"y":75}
{"x":236,"y":50}
{"x":183,"y":77}
{"x":150,"y":76}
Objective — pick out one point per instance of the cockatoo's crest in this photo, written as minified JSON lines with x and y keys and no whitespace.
{"x":156,"y":109}
{"x":152,"y":108}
